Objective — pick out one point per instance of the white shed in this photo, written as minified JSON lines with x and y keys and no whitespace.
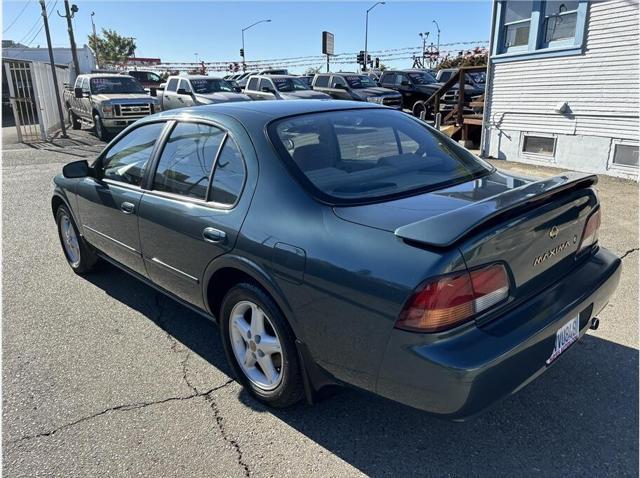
{"x":563,"y":85}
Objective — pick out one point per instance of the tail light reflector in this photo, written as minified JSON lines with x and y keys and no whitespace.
{"x":590,"y":234}
{"x":453,"y":299}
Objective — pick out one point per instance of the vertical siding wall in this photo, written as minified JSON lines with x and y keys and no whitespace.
{"x":601,"y":87}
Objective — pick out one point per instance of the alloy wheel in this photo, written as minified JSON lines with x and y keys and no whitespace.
{"x":70,"y":240}
{"x":256,"y":345}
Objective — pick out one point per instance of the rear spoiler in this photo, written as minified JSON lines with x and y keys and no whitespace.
{"x":448,"y":228}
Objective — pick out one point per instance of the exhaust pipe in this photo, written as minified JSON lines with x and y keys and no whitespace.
{"x":595,"y":323}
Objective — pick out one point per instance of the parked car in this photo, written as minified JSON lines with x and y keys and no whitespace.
{"x":475,"y":79}
{"x":107,"y":102}
{"x":415,"y":86}
{"x":274,"y":71}
{"x":241,"y":82}
{"x":280,"y":87}
{"x":308,"y":79}
{"x":356,"y":87}
{"x":370,"y":249}
{"x":194,"y":90}
{"x":148,"y":79}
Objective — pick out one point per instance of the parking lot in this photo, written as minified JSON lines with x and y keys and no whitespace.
{"x":104,"y":376}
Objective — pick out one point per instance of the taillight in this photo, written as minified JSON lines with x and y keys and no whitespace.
{"x":590,"y":234}
{"x":453,"y":299}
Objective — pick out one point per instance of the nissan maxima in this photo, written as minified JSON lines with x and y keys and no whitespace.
{"x":346,"y":243}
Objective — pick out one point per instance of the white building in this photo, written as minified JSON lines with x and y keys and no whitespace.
{"x":563,"y":85}
{"x":61,"y":56}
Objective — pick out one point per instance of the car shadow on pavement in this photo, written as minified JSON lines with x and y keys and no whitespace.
{"x":579,"y":418}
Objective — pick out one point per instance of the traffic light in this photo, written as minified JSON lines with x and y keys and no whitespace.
{"x":360,"y":58}
{"x":242,"y":52}
{"x":368,"y":59}
{"x":377,"y":62}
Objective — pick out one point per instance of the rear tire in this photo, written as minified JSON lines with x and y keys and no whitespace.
{"x":260,"y":346}
{"x":77,"y":252}
{"x":73,"y":119}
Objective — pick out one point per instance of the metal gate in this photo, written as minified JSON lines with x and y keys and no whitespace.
{"x":32,"y":97}
{"x":23,"y":101}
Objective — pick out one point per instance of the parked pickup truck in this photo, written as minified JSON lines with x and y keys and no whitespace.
{"x":107,"y":102}
{"x":194,"y":90}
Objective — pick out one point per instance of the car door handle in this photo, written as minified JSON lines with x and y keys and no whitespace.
{"x":211,"y":234}
{"x":127,"y":207}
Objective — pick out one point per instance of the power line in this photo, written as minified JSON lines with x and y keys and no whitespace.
{"x":16,"y":19}
{"x":42,"y":26}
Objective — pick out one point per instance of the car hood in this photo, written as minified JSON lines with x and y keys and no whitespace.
{"x":374,"y":91}
{"x":305,"y":95}
{"x":222,"y":97}
{"x":123,"y":96}
{"x":391,"y":215}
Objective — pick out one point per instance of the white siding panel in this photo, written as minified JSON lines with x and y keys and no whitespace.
{"x":601,"y":86}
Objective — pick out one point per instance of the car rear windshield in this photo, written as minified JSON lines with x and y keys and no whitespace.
{"x":364,"y":155}
{"x":359,"y":81}
{"x":114,"y":85}
{"x":203,"y":86}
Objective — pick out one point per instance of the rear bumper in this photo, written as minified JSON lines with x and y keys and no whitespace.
{"x":459,"y":375}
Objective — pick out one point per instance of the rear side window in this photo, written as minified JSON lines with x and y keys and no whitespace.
{"x":253,"y":84}
{"x":185,"y":165}
{"x":127,"y":159}
{"x":363,"y":155}
{"x":228,"y":177}
{"x":322,"y":81}
{"x":172,"y":85}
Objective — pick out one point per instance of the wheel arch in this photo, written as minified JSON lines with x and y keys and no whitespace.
{"x":226,"y":271}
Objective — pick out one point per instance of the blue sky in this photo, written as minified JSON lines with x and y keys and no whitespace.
{"x":176,"y":30}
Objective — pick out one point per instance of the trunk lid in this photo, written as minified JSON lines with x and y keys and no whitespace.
{"x":534,"y":227}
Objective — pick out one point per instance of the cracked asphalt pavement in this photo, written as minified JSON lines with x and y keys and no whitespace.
{"x":104,"y":376}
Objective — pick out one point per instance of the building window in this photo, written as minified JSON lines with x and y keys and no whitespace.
{"x":517,"y":23}
{"x":539,"y":145}
{"x":538,"y":28}
{"x":625,"y":155}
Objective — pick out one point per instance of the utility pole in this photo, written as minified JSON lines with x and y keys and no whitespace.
{"x":53,"y":68}
{"x":93,"y":26}
{"x":366,"y":33}
{"x":438,"y":45}
{"x":69,"y":13}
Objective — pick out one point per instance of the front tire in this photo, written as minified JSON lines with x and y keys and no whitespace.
{"x":78,"y":253}
{"x":73,"y":119}
{"x":260,"y":346}
{"x":101,"y":133}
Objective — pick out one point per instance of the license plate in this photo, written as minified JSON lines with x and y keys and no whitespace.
{"x":565,"y":336}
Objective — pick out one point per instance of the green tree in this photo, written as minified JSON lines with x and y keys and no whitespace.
{"x":312,"y":70}
{"x":112,"y":48}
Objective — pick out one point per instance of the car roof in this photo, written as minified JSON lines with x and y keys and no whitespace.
{"x":267,"y":110}
{"x":196,"y":77}
{"x":102,"y":75}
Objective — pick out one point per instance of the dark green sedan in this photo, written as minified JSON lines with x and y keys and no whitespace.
{"x":346,"y":243}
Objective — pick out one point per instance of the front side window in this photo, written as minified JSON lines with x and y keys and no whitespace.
{"x":363,"y":155}
{"x":228,"y":176}
{"x":126,"y":160}
{"x":184,"y":85}
{"x":264,"y":83}
{"x":85,"y":85}
{"x":114,"y":85}
{"x":187,"y":158}
{"x":337,"y":80}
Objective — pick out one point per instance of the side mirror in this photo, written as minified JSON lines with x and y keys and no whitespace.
{"x":77,"y":92}
{"x":266,"y":89}
{"x":405,"y":83}
{"x":77,"y":169}
{"x":340,"y":87}
{"x":161,"y":86}
{"x":153,"y":92}
{"x":237,"y":89}
{"x":182,"y":91}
